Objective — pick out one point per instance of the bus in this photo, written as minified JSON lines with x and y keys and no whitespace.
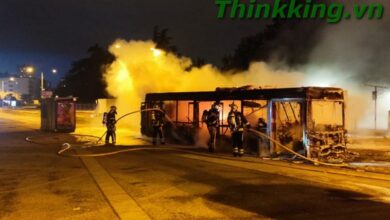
{"x":308,"y":120}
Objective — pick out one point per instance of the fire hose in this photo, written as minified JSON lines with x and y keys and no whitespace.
{"x":67,"y":146}
{"x":134,"y":112}
{"x":295,"y":153}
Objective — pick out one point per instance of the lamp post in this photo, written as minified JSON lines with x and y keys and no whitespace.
{"x":54,"y":71}
{"x":42,"y":80}
{"x":375,"y":98}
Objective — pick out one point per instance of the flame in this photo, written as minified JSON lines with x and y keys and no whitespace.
{"x":156,"y":52}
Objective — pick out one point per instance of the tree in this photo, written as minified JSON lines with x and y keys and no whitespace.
{"x":199,"y":62}
{"x":85,"y":79}
{"x":163,"y":41}
{"x":284,"y":40}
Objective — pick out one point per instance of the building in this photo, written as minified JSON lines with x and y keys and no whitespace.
{"x":24,"y":89}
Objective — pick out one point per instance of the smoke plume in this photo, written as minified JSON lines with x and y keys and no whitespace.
{"x":355,"y":54}
{"x":140,"y":69}
{"x":350,"y":55}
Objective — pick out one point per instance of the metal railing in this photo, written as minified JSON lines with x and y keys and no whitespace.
{"x":81,"y":106}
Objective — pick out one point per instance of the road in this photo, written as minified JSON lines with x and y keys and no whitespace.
{"x":36,"y":183}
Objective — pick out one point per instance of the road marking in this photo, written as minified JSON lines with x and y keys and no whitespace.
{"x":124,"y":206}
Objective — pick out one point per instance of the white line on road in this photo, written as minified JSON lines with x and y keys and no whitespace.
{"x":124,"y":206}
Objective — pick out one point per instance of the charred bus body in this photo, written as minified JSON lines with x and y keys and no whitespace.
{"x":308,"y":120}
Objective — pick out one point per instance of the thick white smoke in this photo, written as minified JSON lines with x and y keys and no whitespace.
{"x":350,"y":55}
{"x":140,"y":69}
{"x":353,"y":55}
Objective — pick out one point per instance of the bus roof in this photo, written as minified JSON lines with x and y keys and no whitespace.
{"x":326,"y":93}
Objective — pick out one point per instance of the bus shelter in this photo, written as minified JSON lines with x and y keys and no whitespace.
{"x":58,"y":114}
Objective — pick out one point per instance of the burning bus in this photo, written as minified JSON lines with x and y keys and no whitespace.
{"x":308,"y":120}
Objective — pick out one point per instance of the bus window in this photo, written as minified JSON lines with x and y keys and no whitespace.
{"x":326,"y":114}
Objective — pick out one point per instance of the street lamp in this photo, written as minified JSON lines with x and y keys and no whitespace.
{"x":29,"y":70}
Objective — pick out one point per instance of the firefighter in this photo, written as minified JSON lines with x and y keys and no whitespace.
{"x":110,"y":122}
{"x":157,"y":124}
{"x":211,"y":118}
{"x":237,"y":122}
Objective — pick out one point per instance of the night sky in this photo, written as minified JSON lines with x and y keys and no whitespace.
{"x":53,"y":33}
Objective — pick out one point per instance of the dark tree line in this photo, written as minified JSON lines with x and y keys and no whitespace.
{"x":163,"y":40}
{"x":286,"y":41}
{"x":85,"y":78}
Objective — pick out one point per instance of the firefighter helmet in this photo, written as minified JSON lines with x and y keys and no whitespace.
{"x":215,"y":105}
{"x":233,"y":106}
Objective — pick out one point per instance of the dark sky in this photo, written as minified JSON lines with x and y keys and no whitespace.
{"x":53,"y":33}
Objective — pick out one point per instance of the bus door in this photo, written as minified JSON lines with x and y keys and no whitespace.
{"x":287,"y":125}
{"x":193,"y":114}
